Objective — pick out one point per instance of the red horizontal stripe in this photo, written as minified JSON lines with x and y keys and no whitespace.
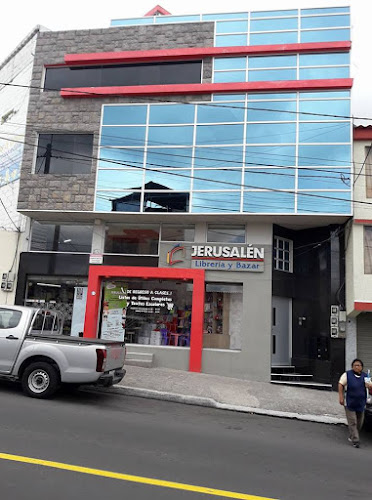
{"x":182,"y":54}
{"x":362,"y":221}
{"x":227,"y":258}
{"x":363,"y":306}
{"x":362,"y":134}
{"x":207,"y":88}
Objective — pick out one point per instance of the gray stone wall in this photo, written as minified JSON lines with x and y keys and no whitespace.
{"x":49,"y":113}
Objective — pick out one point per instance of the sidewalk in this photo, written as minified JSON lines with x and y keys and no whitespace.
{"x":232,"y":394}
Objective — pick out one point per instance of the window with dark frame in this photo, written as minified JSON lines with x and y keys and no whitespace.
{"x":66,"y":154}
{"x":367,"y":249}
{"x":72,"y":238}
{"x":282,"y":254}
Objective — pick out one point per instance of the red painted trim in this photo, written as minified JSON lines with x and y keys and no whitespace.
{"x":363,"y":221}
{"x":97,"y":273}
{"x":363,"y":306}
{"x":182,"y":54}
{"x":156,"y":9}
{"x":207,"y":88}
{"x":362,"y":133}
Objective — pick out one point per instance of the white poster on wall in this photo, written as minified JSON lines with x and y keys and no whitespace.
{"x":78,"y":310}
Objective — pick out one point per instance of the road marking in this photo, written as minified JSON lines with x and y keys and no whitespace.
{"x":128,"y":477}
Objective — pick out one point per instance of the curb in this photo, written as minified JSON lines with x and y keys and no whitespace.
{"x":212,"y":403}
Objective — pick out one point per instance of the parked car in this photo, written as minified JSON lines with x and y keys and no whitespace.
{"x":34,"y":352}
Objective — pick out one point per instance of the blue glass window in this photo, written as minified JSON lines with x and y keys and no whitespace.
{"x":219,"y":134}
{"x":228,"y":97}
{"x":212,"y":180}
{"x":271,"y":133}
{"x":230,"y":63}
{"x":214,"y":114}
{"x":213,"y":157}
{"x":176,"y":19}
{"x":272,"y":62}
{"x":325,"y":132}
{"x":324,"y":155}
{"x":159,"y":136}
{"x":324,"y":59}
{"x":273,"y":38}
{"x":232,"y":27}
{"x":259,"y":75}
{"x":325,"y":95}
{"x":223,"y":202}
{"x":115,"y":158}
{"x":273,"y":24}
{"x":329,"y":10}
{"x":268,"y":202}
{"x":272,"y":111}
{"x":325,"y":202}
{"x":120,"y":179}
{"x":131,"y":22}
{"x":325,"y":21}
{"x":229,"y":76}
{"x":274,"y":156}
{"x":231,"y":40}
{"x":124,"y":115}
{"x":324,"y":179}
{"x":335,"y":35}
{"x":319,"y":73}
{"x":324,"y":110}
{"x":169,"y":157}
{"x":260,"y":97}
{"x":230,"y":15}
{"x":123,"y":136}
{"x":172,"y":113}
{"x":270,"y":178}
{"x":274,"y":13}
{"x":118,"y":201}
{"x":171,"y":179}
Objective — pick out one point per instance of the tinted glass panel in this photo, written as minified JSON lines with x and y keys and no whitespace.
{"x":123,"y":74}
{"x":175,"y":19}
{"x":324,"y":95}
{"x":230,"y":40}
{"x":324,"y":132}
{"x":325,"y":35}
{"x":271,"y":133}
{"x":268,"y":202}
{"x":273,"y":24}
{"x":216,"y":202}
{"x":331,"y":202}
{"x":230,"y":63}
{"x":329,"y":10}
{"x":271,"y":111}
{"x":230,"y":15}
{"x":171,"y":232}
{"x":276,"y":156}
{"x":273,"y":38}
{"x":232,"y":27}
{"x":325,"y":21}
{"x":169,"y":157}
{"x":229,"y":76}
{"x":118,"y":201}
{"x":272,"y":74}
{"x":226,"y":234}
{"x":130,"y":239}
{"x":123,"y":136}
{"x":319,"y":73}
{"x":280,"y":178}
{"x":324,"y":179}
{"x":171,"y":179}
{"x":324,"y":110}
{"x":218,"y":157}
{"x":124,"y":115}
{"x":120,"y":179}
{"x":219,"y":134}
{"x":324,"y":155}
{"x":272,"y":61}
{"x":260,"y":97}
{"x":61,"y":238}
{"x":159,"y":136}
{"x":166,"y":202}
{"x":64,"y":154}
{"x":228,"y":97}
{"x":210,"y":180}
{"x":274,"y":13}
{"x":214,"y":114}
{"x":174,"y":113}
{"x":324,"y":59}
{"x":120,"y":157}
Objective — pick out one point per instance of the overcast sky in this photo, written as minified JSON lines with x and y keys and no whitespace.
{"x":19,"y":18}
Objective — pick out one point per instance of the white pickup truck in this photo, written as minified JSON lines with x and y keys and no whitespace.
{"x":34,"y":352}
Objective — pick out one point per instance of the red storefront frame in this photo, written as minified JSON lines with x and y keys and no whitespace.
{"x":197,"y":276}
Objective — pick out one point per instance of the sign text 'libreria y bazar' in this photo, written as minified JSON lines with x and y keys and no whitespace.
{"x":228,"y":258}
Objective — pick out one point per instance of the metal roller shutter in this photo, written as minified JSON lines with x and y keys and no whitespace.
{"x":364,"y":339}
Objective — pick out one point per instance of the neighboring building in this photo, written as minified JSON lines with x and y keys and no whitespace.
{"x":359,"y":254}
{"x":15,"y":78}
{"x":204,"y":162}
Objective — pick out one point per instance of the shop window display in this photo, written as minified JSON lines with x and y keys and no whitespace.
{"x":147,"y":312}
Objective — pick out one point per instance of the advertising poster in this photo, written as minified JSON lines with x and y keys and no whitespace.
{"x":78,"y":311}
{"x":114,"y":311}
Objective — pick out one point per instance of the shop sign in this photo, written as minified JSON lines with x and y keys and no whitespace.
{"x":228,"y":258}
{"x":114,"y":311}
{"x":95,"y":258}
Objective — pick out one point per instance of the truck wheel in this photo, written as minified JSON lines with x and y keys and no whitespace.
{"x":40,"y":380}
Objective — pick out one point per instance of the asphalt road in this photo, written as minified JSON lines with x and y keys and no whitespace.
{"x":235,"y":452}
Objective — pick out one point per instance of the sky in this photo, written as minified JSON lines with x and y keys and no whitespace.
{"x":18,"y":19}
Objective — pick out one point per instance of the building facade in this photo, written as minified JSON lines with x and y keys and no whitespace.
{"x":188,"y":179}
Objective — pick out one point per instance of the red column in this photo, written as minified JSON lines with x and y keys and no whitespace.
{"x":197,"y":322}
{"x":93,"y":301}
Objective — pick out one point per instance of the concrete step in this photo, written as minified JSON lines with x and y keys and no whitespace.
{"x":295,"y":377}
{"x":308,"y":385}
{"x":140,"y":355}
{"x":143,"y":363}
{"x":282,"y":368}
{"x":143,"y":359}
